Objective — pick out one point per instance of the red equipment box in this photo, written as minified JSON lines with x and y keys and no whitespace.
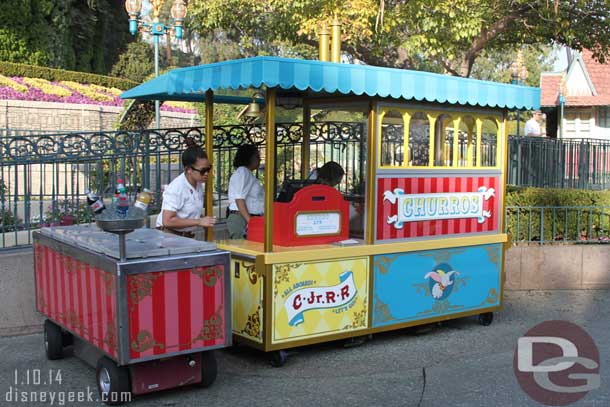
{"x":317,"y":214}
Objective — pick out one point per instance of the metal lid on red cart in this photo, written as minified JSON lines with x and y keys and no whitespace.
{"x":141,"y":243}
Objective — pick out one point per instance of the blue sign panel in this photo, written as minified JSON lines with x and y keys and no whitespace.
{"x":428,"y":284}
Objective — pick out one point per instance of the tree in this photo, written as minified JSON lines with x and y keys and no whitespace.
{"x":70,"y":34}
{"x":136,"y":63}
{"x":435,"y":35}
{"x":496,"y":65}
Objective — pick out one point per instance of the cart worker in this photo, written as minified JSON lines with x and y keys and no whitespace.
{"x":246,"y":194}
{"x":532,"y":126}
{"x":330,"y":174}
{"x":183,"y":197}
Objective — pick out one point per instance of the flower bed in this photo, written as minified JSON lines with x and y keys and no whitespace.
{"x":42,"y":90}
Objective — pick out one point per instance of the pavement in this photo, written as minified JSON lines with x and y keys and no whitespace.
{"x":457,"y":363}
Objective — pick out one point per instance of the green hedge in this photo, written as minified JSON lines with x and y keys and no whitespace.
{"x":52,"y":74}
{"x":587,"y":220}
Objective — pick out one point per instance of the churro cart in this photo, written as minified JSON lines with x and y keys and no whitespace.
{"x":431,"y":243}
{"x":143,"y":307}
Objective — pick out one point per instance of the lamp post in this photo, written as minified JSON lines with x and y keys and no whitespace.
{"x":156,"y":29}
{"x":518,"y":76}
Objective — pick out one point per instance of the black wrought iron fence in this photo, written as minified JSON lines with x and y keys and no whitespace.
{"x":44,"y":176}
{"x":554,"y":163}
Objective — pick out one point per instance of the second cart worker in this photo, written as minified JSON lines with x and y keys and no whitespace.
{"x":183,"y":198}
{"x":246,"y":194}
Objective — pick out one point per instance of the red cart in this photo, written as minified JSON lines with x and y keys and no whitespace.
{"x":147,"y":314}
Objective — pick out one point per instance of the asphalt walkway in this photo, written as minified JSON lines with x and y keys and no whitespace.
{"x":459,"y":363}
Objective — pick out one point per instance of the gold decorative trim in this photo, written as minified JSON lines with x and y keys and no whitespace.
{"x":108,"y":283}
{"x":440,"y":307}
{"x":281,"y":274}
{"x":359,"y":319}
{"x":144,"y":341}
{"x":140,"y":286}
{"x":211,"y":329}
{"x":492,"y":297}
{"x":381,"y":312}
{"x":492,"y":253}
{"x":383,"y":263}
{"x":443,"y":256}
{"x":250,"y":269}
{"x":209,"y":274}
{"x":253,"y":325}
{"x":110,"y":338}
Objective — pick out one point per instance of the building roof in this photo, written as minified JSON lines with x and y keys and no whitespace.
{"x":593,"y":75}
{"x":549,"y":88}
{"x":329,"y":78}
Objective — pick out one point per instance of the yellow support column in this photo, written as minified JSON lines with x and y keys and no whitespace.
{"x":479,"y":137}
{"x":432,"y":152}
{"x":209,"y":143}
{"x":456,"y":142}
{"x":373,"y":131}
{"x":406,"y":122}
{"x":269,"y":167}
{"x":306,"y":136}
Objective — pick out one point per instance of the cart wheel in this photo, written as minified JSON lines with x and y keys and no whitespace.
{"x":112,"y":382}
{"x":486,"y":318}
{"x":209,"y":368}
{"x":279,"y":358}
{"x":67,"y":339}
{"x":53,"y":344}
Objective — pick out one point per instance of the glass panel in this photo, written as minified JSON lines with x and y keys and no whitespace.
{"x":419,"y":140}
{"x":392,"y":139}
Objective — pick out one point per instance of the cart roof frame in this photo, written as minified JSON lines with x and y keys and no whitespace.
{"x":312,"y":77}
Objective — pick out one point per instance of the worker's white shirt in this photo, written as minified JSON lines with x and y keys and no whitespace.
{"x":244,"y":185}
{"x":182,"y":198}
{"x":532,"y":128}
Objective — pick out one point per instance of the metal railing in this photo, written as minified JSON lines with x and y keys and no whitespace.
{"x":554,"y":163}
{"x":44,"y":177}
{"x":558,"y":224}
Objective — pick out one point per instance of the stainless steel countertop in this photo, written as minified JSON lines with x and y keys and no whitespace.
{"x":141,"y":243}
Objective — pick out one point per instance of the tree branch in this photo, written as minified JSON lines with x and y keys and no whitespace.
{"x":488,"y":34}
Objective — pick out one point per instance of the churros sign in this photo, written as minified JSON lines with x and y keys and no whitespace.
{"x":452,"y":205}
{"x":310,"y":298}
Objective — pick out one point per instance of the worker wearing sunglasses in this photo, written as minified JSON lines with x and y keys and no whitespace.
{"x":181,"y":211}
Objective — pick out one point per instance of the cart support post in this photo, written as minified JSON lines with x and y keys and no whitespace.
{"x":372,"y":173}
{"x":209,"y":143}
{"x":306,"y":137}
{"x":269,"y":168}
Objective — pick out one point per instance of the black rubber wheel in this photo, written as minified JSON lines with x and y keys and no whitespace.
{"x":53,"y":341}
{"x":209,"y":368}
{"x":112,"y":382}
{"x":67,"y":339}
{"x":486,"y":318}
{"x":279,"y":358}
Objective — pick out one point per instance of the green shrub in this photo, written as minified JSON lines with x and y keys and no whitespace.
{"x":57,"y":75}
{"x":584,"y":215}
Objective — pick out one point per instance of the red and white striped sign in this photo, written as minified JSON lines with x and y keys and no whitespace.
{"x":435,"y":227}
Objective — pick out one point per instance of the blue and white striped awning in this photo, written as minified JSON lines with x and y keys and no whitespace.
{"x":190,"y":84}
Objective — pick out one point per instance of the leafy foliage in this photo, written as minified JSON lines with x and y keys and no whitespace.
{"x":70,"y":34}
{"x":572,"y":223}
{"x":442,"y":36}
{"x":136,"y":63}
